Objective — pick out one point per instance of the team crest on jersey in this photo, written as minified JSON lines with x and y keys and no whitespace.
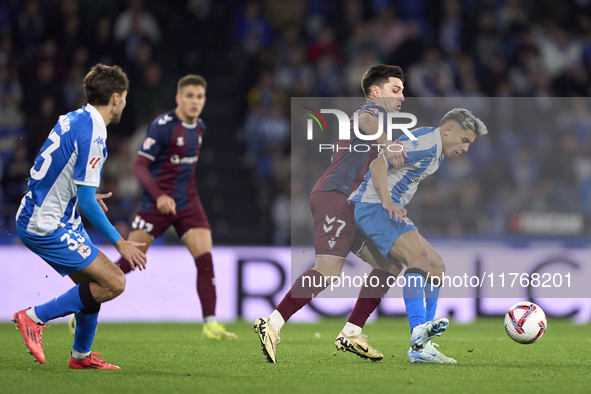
{"x":180,"y":141}
{"x":415,"y":144}
{"x":332,"y":243}
{"x":84,"y":250}
{"x":148,"y":142}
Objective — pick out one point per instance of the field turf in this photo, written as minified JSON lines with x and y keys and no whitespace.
{"x":173,"y":358}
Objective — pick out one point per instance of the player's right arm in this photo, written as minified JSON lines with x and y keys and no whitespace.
{"x":155,"y":141}
{"x":165,"y":204}
{"x":369,"y":125}
{"x":379,"y":177}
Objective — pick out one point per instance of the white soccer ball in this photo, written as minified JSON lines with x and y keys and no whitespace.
{"x":525,"y":322}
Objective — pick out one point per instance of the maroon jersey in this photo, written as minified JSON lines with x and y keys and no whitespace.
{"x":348,"y":167}
{"x":173,"y":147}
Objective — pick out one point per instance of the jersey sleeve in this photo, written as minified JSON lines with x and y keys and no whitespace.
{"x":154,"y":143}
{"x":92,"y":152}
{"x":424,"y":147}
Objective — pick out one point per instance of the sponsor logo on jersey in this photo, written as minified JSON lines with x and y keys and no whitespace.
{"x":419,"y":178}
{"x":94,"y":161}
{"x":175,"y":159}
{"x":99,"y":140}
{"x":180,"y":141}
{"x":408,"y":221}
{"x":148,"y":142}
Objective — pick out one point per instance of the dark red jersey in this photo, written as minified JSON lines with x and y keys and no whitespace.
{"x":173,"y":147}
{"x":349,"y":166}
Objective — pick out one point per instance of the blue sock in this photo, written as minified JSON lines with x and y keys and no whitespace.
{"x":62,"y":305}
{"x":431,"y":295}
{"x":414,"y":298}
{"x":85,"y":329}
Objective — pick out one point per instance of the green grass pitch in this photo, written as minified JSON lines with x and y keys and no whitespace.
{"x":173,"y":358}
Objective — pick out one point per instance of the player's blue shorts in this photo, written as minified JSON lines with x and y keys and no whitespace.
{"x":373,"y":221}
{"x":65,"y":249}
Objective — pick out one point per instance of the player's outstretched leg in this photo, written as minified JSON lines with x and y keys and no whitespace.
{"x":269,"y":338}
{"x":32,"y":332}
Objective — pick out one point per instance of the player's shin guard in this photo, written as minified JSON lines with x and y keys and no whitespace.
{"x":86,"y":324}
{"x":414,"y":296}
{"x":431,"y":296}
{"x":206,"y":284}
{"x":70,"y":302}
{"x":304,"y":289}
{"x":370,"y":296}
{"x":123,"y":265}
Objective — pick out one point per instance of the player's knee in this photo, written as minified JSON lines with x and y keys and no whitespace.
{"x":437,"y":266}
{"x":117,"y":286}
{"x":420,"y":259}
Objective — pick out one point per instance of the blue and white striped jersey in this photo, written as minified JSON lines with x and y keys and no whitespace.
{"x":423,"y":159}
{"x":73,"y":154}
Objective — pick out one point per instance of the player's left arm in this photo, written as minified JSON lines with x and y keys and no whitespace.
{"x":89,"y":205}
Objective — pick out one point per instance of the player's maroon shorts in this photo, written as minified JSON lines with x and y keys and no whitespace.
{"x":334,"y":225}
{"x":155,"y":223}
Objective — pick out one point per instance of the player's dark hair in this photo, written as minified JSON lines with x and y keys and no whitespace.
{"x":191,"y":79}
{"x":379,"y":75}
{"x":102,"y":81}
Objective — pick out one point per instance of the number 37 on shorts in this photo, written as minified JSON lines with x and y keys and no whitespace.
{"x":141,"y":224}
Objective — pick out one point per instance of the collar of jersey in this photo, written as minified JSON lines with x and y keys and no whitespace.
{"x":189,"y":126}
{"x":94,"y":113}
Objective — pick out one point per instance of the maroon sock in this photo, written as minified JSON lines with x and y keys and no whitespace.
{"x":123,"y":265}
{"x":370,"y":297}
{"x":206,"y":284}
{"x":304,"y":289}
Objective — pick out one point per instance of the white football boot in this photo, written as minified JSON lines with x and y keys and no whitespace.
{"x":429,"y":355}
{"x":421,"y":334}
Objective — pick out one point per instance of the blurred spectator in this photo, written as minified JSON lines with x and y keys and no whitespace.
{"x":136,"y":21}
{"x":325,"y":46}
{"x":297,"y":76}
{"x":152,"y":96}
{"x":251,"y":29}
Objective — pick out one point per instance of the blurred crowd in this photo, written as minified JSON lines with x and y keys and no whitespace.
{"x":265,"y":52}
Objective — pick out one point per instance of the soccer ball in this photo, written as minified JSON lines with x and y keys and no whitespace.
{"x":525,"y":322}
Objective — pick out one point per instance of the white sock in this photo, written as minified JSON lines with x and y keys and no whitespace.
{"x":351,"y":330}
{"x":79,"y":356}
{"x":33,"y":316}
{"x":209,"y":319}
{"x":276,"y":320}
